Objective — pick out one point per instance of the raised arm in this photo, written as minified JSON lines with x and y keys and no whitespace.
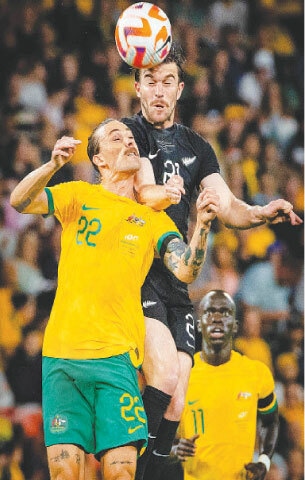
{"x":235,"y":213}
{"x":185,"y":261}
{"x":29,"y":195}
{"x":158,"y":197}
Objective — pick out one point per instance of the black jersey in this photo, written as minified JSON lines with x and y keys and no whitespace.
{"x":177,"y":150}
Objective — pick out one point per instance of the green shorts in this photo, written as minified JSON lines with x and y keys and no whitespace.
{"x":95,"y":404}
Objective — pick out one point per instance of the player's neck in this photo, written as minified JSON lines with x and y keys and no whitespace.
{"x":123,"y":188}
{"x":216,"y":357}
{"x":159,"y":125}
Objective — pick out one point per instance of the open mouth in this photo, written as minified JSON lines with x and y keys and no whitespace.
{"x":132,"y":153}
{"x":159,"y":106}
{"x":216,"y":333}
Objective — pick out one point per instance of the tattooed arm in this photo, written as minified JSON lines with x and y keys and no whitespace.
{"x":185,"y":261}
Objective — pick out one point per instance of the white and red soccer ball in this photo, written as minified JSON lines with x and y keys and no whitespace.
{"x":143,"y":35}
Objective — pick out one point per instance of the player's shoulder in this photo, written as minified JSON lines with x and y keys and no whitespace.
{"x":139,"y":127}
{"x":86,"y":187}
{"x":249,"y":363}
{"x":191,"y":134}
{"x":135,"y":121}
{"x":78,"y":185}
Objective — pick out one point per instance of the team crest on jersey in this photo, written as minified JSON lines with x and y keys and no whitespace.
{"x":244,"y":395}
{"x":188,"y":160}
{"x":59,"y":424}
{"x":137,"y":220}
{"x":148,"y":303}
{"x":166,"y":146}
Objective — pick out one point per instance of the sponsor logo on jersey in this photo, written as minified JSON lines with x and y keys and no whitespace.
{"x":134,"y":429}
{"x":188,"y":160}
{"x":137,"y":220}
{"x":59,"y":424}
{"x":166,"y":145}
{"x":131,"y":238}
{"x":192,"y":402}
{"x":151,"y":156}
{"x":244,"y":395}
{"x":148,"y":303}
{"x":86,"y":207}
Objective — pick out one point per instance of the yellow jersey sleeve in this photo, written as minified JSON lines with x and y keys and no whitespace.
{"x":267,"y":401}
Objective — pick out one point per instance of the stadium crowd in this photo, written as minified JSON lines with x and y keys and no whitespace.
{"x":60,"y":74}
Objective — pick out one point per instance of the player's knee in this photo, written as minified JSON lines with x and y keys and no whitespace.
{"x":176,"y":406}
{"x":165,"y":378}
{"x":126,"y":472}
{"x":63,"y":471}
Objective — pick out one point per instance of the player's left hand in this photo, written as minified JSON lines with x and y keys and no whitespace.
{"x":279,"y":211}
{"x":255,"y":471}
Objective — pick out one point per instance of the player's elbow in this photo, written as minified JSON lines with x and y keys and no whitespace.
{"x":185,"y":276}
{"x":16,"y":203}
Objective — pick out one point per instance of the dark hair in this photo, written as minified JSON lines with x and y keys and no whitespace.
{"x":93,"y":146}
{"x":175,"y":55}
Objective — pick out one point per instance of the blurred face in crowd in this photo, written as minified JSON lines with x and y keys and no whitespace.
{"x":159,"y":89}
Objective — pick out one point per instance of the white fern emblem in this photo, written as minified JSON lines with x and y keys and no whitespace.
{"x":188,"y":160}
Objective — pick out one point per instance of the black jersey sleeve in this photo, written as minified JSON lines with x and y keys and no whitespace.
{"x":208,"y":160}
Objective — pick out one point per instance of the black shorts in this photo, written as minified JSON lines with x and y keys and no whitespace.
{"x":166,"y":299}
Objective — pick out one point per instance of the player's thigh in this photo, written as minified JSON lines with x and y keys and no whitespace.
{"x":119,"y":410}
{"x":66,"y":462}
{"x":183,"y":328}
{"x":161,"y":357}
{"x":119,"y":463}
{"x":68,"y":402}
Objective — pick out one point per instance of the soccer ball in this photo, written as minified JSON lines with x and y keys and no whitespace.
{"x":143,"y":35}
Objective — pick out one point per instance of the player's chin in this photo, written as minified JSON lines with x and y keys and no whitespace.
{"x":217,"y":340}
{"x":159,"y":116}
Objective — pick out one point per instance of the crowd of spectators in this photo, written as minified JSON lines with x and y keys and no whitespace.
{"x":60,"y":74}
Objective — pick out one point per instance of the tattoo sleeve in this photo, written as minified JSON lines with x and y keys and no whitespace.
{"x":185,"y":261}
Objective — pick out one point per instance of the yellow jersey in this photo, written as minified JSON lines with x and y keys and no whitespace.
{"x":107,"y":247}
{"x":221,"y":406}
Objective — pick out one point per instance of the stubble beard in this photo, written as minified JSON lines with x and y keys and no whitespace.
{"x":156,"y":121}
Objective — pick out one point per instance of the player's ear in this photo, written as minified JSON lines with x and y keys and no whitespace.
{"x":180,"y":90}
{"x":235,"y":327}
{"x":137,"y":88}
{"x":98,"y":161}
{"x":199,"y":325}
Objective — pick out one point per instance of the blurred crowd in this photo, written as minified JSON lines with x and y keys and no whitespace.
{"x":60,"y":74}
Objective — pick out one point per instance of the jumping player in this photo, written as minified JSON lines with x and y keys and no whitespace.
{"x":174,"y":149}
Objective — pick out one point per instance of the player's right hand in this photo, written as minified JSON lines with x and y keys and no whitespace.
{"x":255,"y":471}
{"x":185,"y":448}
{"x":174,"y":188}
{"x":63,"y":150}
